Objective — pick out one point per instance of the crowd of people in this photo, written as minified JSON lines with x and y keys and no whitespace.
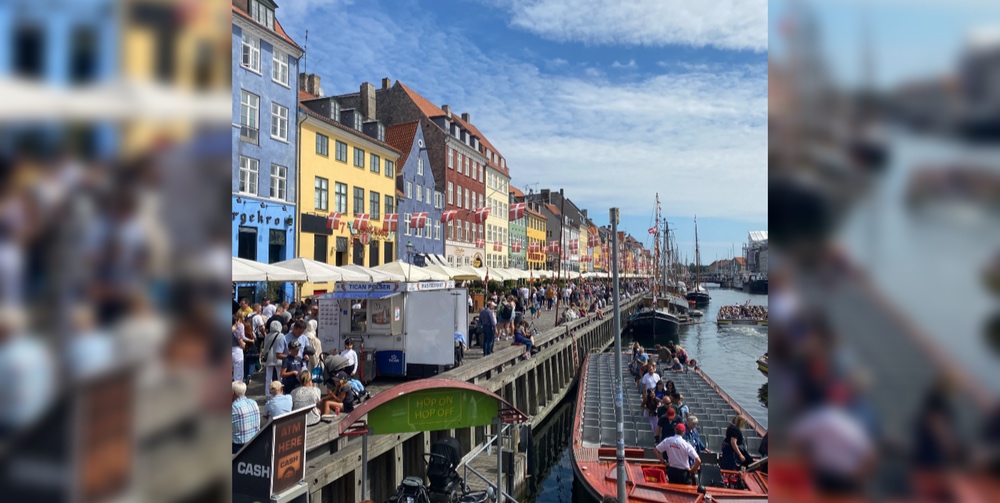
{"x":742,"y":312}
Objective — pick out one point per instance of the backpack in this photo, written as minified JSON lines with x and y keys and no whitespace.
{"x":506,"y":312}
{"x":351,"y":399}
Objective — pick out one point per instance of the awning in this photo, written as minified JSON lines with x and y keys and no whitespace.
{"x":363,"y":295}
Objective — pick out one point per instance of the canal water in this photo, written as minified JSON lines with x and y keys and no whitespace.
{"x":728,"y":355}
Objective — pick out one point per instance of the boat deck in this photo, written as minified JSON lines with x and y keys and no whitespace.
{"x":713,"y":413}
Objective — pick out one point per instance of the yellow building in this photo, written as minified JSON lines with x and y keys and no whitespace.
{"x":183,"y":45}
{"x":342,"y":170}
{"x":536,"y":234}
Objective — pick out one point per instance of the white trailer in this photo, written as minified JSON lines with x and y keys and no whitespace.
{"x":410,"y":327}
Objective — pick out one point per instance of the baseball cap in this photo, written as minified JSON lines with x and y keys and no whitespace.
{"x":294,"y":345}
{"x":275,"y":385}
{"x":671,"y":412}
{"x":680,"y":429}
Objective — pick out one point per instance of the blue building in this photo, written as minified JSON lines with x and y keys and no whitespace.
{"x":415,"y":191}
{"x":61,"y":44}
{"x":265,"y":104}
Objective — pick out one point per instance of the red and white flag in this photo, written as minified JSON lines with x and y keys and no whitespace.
{"x":516,"y":247}
{"x":482,"y":213}
{"x":593,"y":240}
{"x":391,"y":222}
{"x":574,"y":246}
{"x":553,"y":246}
{"x":497,"y":246}
{"x":333,"y":221}
{"x":361,"y":221}
{"x":533,"y":247}
{"x":418,"y":220}
{"x":652,"y":230}
{"x":365,"y":238}
{"x":480,"y":243}
{"x":448,"y":216}
{"x":517,"y":211}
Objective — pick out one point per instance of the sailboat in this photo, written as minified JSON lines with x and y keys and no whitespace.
{"x":698,"y":296}
{"x":655,"y":325}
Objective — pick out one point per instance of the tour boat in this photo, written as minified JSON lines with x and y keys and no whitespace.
{"x":595,"y":438}
{"x":740,"y":321}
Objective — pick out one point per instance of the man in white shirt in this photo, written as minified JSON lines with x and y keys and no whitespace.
{"x":679,"y":452}
{"x":351,"y":356}
{"x":649,"y":380}
{"x":837,"y":447}
{"x":269,"y":309}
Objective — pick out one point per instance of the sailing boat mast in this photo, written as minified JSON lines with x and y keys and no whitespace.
{"x":697,"y":257}
{"x":656,"y":247}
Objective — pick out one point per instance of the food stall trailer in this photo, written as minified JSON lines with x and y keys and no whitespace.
{"x":409,"y":327}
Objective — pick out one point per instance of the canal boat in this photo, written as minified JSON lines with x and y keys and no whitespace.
{"x":726,"y":317}
{"x":595,"y":439}
{"x":650,"y":327}
{"x":762,"y":364}
{"x":698,"y":296}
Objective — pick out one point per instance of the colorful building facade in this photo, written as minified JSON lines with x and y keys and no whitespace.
{"x":415,"y":181}
{"x":535,"y":234}
{"x":517,"y":258}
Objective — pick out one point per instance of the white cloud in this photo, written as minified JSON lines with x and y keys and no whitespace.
{"x":725,"y":24}
{"x":631,"y":64}
{"x":697,"y":136}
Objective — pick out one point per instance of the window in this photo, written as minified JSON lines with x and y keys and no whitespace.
{"x":458,"y":196}
{"x":341,"y":151}
{"x":467,"y":206}
{"x":420,"y":193}
{"x":468,"y":233}
{"x":475,"y":168}
{"x":437,"y":230}
{"x":389,"y":205}
{"x":30,"y":45}
{"x":319,"y":247}
{"x":275,"y":245}
{"x":262,"y":14}
{"x":83,"y":55}
{"x":341,"y":198}
{"x":451,"y":193}
{"x":251,"y":52}
{"x":279,"y":68}
{"x":279,"y":122}
{"x":249,"y":106}
{"x":451,"y":231}
{"x":359,"y":200}
{"x":420,"y":166}
{"x":466,"y":166}
{"x":409,"y":190}
{"x":461,"y":233}
{"x":246,"y":246}
{"x":390,"y":169}
{"x":480,"y":172}
{"x":374,"y":204}
{"x":323,"y":145}
{"x":322,"y":199}
{"x":406,"y":224}
{"x":279,"y":181}
{"x":451,"y":159}
{"x":427,"y":196}
{"x":376,"y":166}
{"x":359,"y":157}
{"x":248,"y":175}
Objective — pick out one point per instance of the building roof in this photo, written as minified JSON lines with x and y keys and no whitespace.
{"x":401,"y":137}
{"x":517,"y":192}
{"x":277,"y":26}
{"x":355,"y":132}
{"x":741,"y":260}
{"x":758,"y":237}
{"x":533,"y":212}
{"x":426,"y":107}
{"x":306,"y":95}
{"x":552,"y":208}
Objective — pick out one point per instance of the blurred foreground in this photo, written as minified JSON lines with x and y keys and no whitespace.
{"x":114,"y":154}
{"x":884,"y":228}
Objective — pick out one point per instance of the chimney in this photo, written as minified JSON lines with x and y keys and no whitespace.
{"x":467,"y":118}
{"x":309,"y":82}
{"x":447,"y":110}
{"x":386,"y":83}
{"x":367,"y":102}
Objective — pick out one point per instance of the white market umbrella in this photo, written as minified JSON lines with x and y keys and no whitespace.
{"x":375,"y":275}
{"x":480,"y":274}
{"x":452,"y":272}
{"x":318,"y":272}
{"x":498,"y":273}
{"x":248,"y":270}
{"x":410,"y":272}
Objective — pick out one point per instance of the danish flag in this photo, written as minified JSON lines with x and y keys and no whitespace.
{"x":652,"y":230}
{"x":391,"y":223}
{"x":593,"y":240}
{"x":574,"y":246}
{"x":448,"y":216}
{"x":517,"y":211}
{"x":418,"y":220}
{"x":497,"y":246}
{"x":533,"y":247}
{"x":361,"y":221}
{"x":333,"y":221}
{"x":482,"y":213}
{"x":480,"y":243}
{"x":516,"y":246}
{"x":553,"y":246}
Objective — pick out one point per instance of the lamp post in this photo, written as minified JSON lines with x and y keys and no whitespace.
{"x":409,"y":258}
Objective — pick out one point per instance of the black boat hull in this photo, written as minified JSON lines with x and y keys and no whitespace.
{"x":701,"y":299}
{"x":649,"y":328}
{"x":758,"y":286}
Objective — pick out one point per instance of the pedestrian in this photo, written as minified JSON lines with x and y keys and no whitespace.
{"x":240,"y":341}
{"x":313,"y":343}
{"x":351,"y":356}
{"x":273,"y":344}
{"x":278,"y":403}
{"x":488,"y":322}
{"x":246,"y":416}
{"x":291,"y":366}
{"x":734,"y":453}
{"x":682,"y":460}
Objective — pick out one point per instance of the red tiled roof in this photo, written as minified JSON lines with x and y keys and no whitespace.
{"x":401,"y":138}
{"x":517,"y":192}
{"x":338,"y":125}
{"x":552,"y":208}
{"x":426,"y":107}
{"x":277,"y":26}
{"x":306,"y":95}
{"x":533,"y":212}
{"x":741,"y":260}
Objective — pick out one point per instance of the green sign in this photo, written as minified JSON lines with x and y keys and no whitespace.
{"x":433,"y":409}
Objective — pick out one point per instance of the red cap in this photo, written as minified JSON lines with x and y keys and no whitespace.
{"x":671,"y":412}
{"x":680,"y":429}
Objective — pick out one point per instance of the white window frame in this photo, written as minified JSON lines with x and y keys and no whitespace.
{"x":451,"y":158}
{"x":279,"y":67}
{"x":390,"y":169}
{"x":250,"y":45}
{"x":279,"y":182}
{"x":458,"y":196}
{"x":317,"y":186}
{"x":437,"y":230}
{"x":420,"y":194}
{"x":279,"y":121}
{"x":427,"y":195}
{"x":420,"y":166}
{"x":337,"y":199}
{"x":375,"y":163}
{"x":250,"y":102}
{"x":248,"y":183}
{"x":451,"y":193}
{"x":467,"y":200}
{"x":409,"y":190}
{"x":406,"y":219}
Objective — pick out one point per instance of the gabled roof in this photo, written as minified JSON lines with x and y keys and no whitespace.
{"x":517,"y":192}
{"x":306,"y":95}
{"x":355,"y":132}
{"x":533,"y":212}
{"x":426,"y":107}
{"x":552,"y":208}
{"x":741,"y":260}
{"x":401,"y":137}
{"x":278,"y":30}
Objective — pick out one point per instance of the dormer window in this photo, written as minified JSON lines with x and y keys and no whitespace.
{"x":357,"y":120}
{"x":381,"y":132}
{"x":262,"y":11}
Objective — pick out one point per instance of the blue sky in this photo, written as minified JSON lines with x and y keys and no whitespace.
{"x":910,"y":39}
{"x":612,"y":101}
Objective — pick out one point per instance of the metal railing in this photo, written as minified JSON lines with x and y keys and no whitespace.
{"x":492,"y":440}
